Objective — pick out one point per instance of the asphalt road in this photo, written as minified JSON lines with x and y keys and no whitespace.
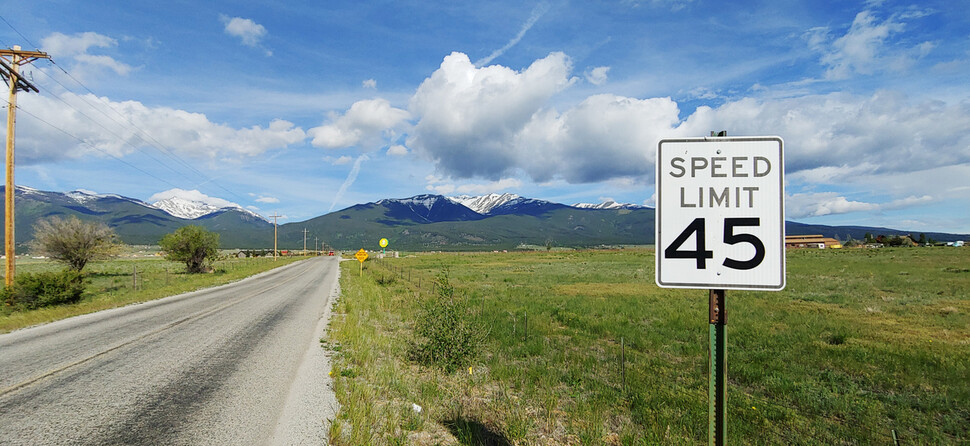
{"x":239,"y":364}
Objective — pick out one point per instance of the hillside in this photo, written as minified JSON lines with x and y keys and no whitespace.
{"x":135,"y":221}
{"x":419,"y":223}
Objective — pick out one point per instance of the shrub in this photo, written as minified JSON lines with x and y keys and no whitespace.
{"x":446,"y":335}
{"x":193,"y":245}
{"x":74,"y":242}
{"x":31,"y":291}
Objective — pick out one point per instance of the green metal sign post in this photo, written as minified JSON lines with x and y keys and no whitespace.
{"x":717,"y":354}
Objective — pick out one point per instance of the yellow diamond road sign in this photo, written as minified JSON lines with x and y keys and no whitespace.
{"x":361,"y":256}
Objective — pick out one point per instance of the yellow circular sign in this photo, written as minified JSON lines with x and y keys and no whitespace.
{"x":383,"y":243}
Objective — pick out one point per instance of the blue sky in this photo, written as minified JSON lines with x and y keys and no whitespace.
{"x":302,"y":108}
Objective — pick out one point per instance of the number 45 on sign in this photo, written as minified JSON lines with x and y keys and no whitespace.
{"x":720,"y":221}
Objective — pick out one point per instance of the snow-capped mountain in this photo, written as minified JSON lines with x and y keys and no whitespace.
{"x":484,"y":204}
{"x":505,"y":204}
{"x":192,"y":204}
{"x":609,"y":204}
{"x":428,"y":208}
{"x":83,"y":196}
{"x":187,"y":209}
{"x":192,"y":209}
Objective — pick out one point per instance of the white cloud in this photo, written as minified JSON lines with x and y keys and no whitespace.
{"x":248,"y":31}
{"x":366,"y":125}
{"x":881,"y":133}
{"x":369,"y":83}
{"x":267,"y":200}
{"x":823,"y":203}
{"x":341,"y":161}
{"x":439,"y":186}
{"x":397,"y":150}
{"x":867,"y":46}
{"x":828,"y":203}
{"x":603,"y":137}
{"x":495,"y":122}
{"x":468,"y":116}
{"x":184,"y":133}
{"x":76,"y":47}
{"x":597,"y":76}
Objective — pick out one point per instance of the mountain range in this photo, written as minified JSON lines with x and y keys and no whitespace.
{"x":422,"y":222}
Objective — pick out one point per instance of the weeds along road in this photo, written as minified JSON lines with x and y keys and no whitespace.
{"x":232,"y":365}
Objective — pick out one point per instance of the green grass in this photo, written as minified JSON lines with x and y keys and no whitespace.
{"x":860,"y":343}
{"x":109,"y":284}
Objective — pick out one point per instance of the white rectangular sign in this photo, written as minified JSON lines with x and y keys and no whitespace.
{"x":720,"y":221}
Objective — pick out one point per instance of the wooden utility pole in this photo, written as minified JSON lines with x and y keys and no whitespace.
{"x":304,"y":241}
{"x":10,"y":72}
{"x":274,"y":234}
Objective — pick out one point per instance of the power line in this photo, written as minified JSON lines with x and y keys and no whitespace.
{"x":140,"y":133}
{"x":82,"y":141}
{"x":120,"y":138}
{"x":22,"y":36}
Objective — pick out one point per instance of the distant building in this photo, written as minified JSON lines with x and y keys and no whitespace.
{"x":811,"y":241}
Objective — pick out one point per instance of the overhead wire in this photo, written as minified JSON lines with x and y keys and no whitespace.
{"x":120,"y":137}
{"x":140,"y":133}
{"x":82,"y":141}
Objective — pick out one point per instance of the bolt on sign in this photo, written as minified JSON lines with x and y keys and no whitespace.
{"x":720,"y":218}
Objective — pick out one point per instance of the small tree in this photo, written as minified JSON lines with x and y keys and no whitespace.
{"x":73,"y":241}
{"x":193,"y":245}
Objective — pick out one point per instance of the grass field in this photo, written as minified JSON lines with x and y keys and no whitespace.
{"x":124,"y":281}
{"x":861,"y":343}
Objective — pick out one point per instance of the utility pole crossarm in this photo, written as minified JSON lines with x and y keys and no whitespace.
{"x":10,"y":67}
{"x":31,"y":55}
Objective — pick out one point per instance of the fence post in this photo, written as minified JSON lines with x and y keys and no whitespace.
{"x":526,"y":335}
{"x":623,"y":362}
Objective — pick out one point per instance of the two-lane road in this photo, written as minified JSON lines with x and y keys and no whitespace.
{"x":239,"y":364}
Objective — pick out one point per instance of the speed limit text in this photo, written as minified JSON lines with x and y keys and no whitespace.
{"x":719,"y":167}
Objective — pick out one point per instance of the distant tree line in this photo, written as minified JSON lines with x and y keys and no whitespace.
{"x":893,"y":240}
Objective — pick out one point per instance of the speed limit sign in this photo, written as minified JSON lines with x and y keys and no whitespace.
{"x":720,"y":218}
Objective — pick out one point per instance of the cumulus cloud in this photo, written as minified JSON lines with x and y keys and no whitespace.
{"x":397,"y":150}
{"x":867,"y":46}
{"x":468,"y":116}
{"x":77,"y":47}
{"x":442,"y":186}
{"x":249,"y":32}
{"x":495,"y":123}
{"x":185,"y":133}
{"x":340,"y":161}
{"x":823,"y":203}
{"x":828,"y":203}
{"x":597,"y":76}
{"x":367,"y":124}
{"x":884,"y":132}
